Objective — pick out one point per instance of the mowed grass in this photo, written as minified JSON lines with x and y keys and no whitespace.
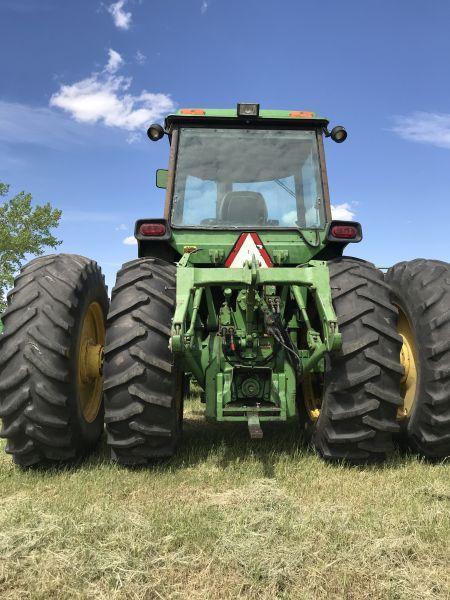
{"x":227,"y":518}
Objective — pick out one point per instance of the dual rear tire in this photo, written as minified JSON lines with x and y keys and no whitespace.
{"x":368,"y":398}
{"x":51,"y":352}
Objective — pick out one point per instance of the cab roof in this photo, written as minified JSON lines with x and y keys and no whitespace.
{"x":229,"y":115}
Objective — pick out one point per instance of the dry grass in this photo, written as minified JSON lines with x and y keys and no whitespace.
{"x":228,"y":518}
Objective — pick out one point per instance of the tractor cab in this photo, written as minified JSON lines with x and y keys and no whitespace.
{"x":244,"y":169}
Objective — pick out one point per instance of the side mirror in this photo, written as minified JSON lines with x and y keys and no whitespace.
{"x":161,"y":178}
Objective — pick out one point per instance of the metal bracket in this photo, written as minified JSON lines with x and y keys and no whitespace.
{"x":280,"y":256}
{"x":254,"y":426}
{"x":216,"y":256}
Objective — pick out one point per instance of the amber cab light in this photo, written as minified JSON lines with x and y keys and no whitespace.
{"x":301,"y":114}
{"x":192,"y":111}
{"x":152,"y":229}
{"x":345,"y":232}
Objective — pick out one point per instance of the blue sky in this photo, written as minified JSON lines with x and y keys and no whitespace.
{"x":81,"y":79}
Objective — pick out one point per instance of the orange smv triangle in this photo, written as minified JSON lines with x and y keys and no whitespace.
{"x":247,"y":246}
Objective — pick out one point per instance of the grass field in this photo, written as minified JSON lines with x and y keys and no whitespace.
{"x":228,"y":518}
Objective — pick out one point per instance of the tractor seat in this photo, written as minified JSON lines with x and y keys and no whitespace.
{"x":244,"y":208}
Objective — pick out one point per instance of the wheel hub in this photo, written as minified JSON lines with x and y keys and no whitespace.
{"x":92,"y":364}
{"x":90,"y":361}
{"x":408,"y":359}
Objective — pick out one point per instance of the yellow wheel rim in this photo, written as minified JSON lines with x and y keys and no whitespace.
{"x":311,"y":397}
{"x":90,"y":361}
{"x":408,"y":359}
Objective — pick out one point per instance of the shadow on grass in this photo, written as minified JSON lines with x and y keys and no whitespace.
{"x":230,"y":443}
{"x":226,"y":442}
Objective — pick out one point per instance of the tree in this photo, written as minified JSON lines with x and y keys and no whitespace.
{"x":24,"y":229}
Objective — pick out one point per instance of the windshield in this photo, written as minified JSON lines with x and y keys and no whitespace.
{"x":247,"y":178}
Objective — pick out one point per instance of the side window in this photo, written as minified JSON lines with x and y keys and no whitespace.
{"x":200,"y":199}
{"x":311,"y":193}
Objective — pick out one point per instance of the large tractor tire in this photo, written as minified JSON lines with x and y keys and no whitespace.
{"x":351,"y":412}
{"x":421,"y":291}
{"x":143,"y":385}
{"x":50,"y":360}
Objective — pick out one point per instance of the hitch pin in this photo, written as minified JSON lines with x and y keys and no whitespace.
{"x":254,"y":427}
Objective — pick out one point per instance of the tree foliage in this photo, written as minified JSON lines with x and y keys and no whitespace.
{"x":24,"y":230}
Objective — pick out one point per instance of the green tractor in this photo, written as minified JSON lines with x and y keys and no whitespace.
{"x":242,"y":288}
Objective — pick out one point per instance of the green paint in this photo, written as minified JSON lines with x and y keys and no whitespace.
{"x":231,"y":353}
{"x":232,"y":113}
{"x":285,"y":247}
{"x":249,"y":335}
{"x":161,"y":178}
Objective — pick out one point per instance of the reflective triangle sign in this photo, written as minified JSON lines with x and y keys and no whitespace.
{"x":248,"y":245}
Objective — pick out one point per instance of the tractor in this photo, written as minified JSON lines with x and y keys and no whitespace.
{"x":242,"y":288}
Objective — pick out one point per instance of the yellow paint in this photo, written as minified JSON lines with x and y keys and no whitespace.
{"x":409,"y":361}
{"x":313,"y":401}
{"x":90,"y":361}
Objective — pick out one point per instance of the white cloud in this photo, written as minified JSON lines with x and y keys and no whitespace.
{"x":115,"y":61}
{"x":121,"y":227}
{"x":140,"y":57}
{"x":425,"y":127}
{"x":122,"y":19}
{"x":133,"y":136}
{"x":289,"y":219}
{"x":130,"y":241}
{"x":204,"y":7}
{"x":342,"y":212}
{"x":105,"y":98}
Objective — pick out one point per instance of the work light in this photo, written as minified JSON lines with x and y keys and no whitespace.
{"x":247,"y":110}
{"x":155,"y":132}
{"x":338,"y":134}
